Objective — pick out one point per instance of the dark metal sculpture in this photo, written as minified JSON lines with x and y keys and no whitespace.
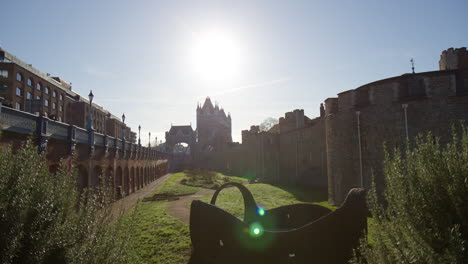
{"x":298,"y":233}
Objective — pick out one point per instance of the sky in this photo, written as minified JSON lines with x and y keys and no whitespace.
{"x":155,"y":60}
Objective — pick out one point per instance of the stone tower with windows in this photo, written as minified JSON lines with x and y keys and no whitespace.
{"x":213,"y":127}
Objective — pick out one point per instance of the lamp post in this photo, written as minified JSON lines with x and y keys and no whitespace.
{"x":139,"y":129}
{"x":149,"y":140}
{"x":90,"y":114}
{"x":123,"y":127}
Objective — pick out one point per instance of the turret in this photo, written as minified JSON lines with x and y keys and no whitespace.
{"x":454,"y":59}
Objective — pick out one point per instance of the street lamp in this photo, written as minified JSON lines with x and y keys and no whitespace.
{"x":90,"y":114}
{"x":149,"y":140}
{"x":139,"y":129}
{"x":123,"y":127}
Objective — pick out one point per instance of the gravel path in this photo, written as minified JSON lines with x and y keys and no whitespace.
{"x":131,"y":200}
{"x":181,"y":208}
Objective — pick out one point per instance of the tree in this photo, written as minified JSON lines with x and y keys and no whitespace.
{"x":44,"y":219}
{"x":424,"y":219}
{"x":268,"y":123}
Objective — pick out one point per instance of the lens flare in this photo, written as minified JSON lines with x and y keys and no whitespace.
{"x":261,"y":211}
{"x":256,"y":230}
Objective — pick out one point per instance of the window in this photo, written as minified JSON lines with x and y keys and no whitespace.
{"x":54,"y":94}
{"x":46,"y":102}
{"x":54,"y":105}
{"x":19,"y":77}
{"x":19,"y":92}
{"x":61,"y":97}
{"x":30,"y":82}
{"x":39,"y":86}
{"x":18,"y":106}
{"x":28,"y":95}
{"x":60,"y":108}
{"x":60,"y":119}
{"x":3,"y":73}
{"x":38,"y":97}
{"x":47,"y":90}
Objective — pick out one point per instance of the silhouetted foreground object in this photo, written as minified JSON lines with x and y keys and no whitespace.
{"x":298,"y":233}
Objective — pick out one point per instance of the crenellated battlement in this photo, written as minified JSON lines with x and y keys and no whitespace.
{"x":292,"y":120}
{"x":454,"y":59}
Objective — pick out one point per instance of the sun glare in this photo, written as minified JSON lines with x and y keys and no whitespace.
{"x":215,"y":56}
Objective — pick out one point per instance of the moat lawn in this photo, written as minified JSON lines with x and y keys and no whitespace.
{"x":158,"y":237}
{"x":161,"y":238}
{"x":192,"y":182}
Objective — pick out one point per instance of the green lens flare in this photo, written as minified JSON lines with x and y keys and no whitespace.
{"x":256,"y":230}
{"x":261,"y":211}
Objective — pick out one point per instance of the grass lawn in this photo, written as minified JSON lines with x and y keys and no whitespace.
{"x":209,"y":179}
{"x":172,"y":187}
{"x":158,"y":237}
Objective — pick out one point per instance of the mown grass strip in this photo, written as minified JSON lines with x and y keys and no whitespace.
{"x":158,"y":237}
{"x":209,"y":179}
{"x":172,"y":187}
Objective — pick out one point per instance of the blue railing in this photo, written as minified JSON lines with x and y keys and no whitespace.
{"x":25,"y":123}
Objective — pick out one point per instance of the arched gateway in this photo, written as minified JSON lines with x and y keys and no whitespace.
{"x":181,"y":142}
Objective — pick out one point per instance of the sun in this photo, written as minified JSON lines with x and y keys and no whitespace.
{"x":215,"y":56}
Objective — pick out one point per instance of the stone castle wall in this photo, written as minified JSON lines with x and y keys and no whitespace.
{"x":434,"y":101}
{"x":344,"y":147}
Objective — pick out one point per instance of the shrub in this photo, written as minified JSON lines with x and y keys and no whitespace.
{"x":424,"y":219}
{"x":43,"y":218}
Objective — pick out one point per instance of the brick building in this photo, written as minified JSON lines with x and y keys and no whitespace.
{"x":25,"y":88}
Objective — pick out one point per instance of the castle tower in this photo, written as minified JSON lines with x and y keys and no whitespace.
{"x":454,"y":59}
{"x":213,"y":126}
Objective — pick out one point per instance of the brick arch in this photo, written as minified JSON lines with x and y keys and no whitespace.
{"x":126,"y":181}
{"x":53,"y":168}
{"x":109,"y":174}
{"x":96,"y":176}
{"x":132,"y":179}
{"x":82,"y":177}
{"x":142,"y":180}
{"x":146,"y":175}
{"x":119,"y":182}
{"x":137,"y":178}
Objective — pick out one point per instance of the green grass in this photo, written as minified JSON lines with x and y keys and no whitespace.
{"x":158,"y":237}
{"x":211,"y":180}
{"x":171,"y":187}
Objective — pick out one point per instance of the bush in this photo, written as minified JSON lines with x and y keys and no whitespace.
{"x":425,"y":219}
{"x":43,"y":218}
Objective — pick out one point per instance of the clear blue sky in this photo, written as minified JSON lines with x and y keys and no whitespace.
{"x":136,"y":55}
